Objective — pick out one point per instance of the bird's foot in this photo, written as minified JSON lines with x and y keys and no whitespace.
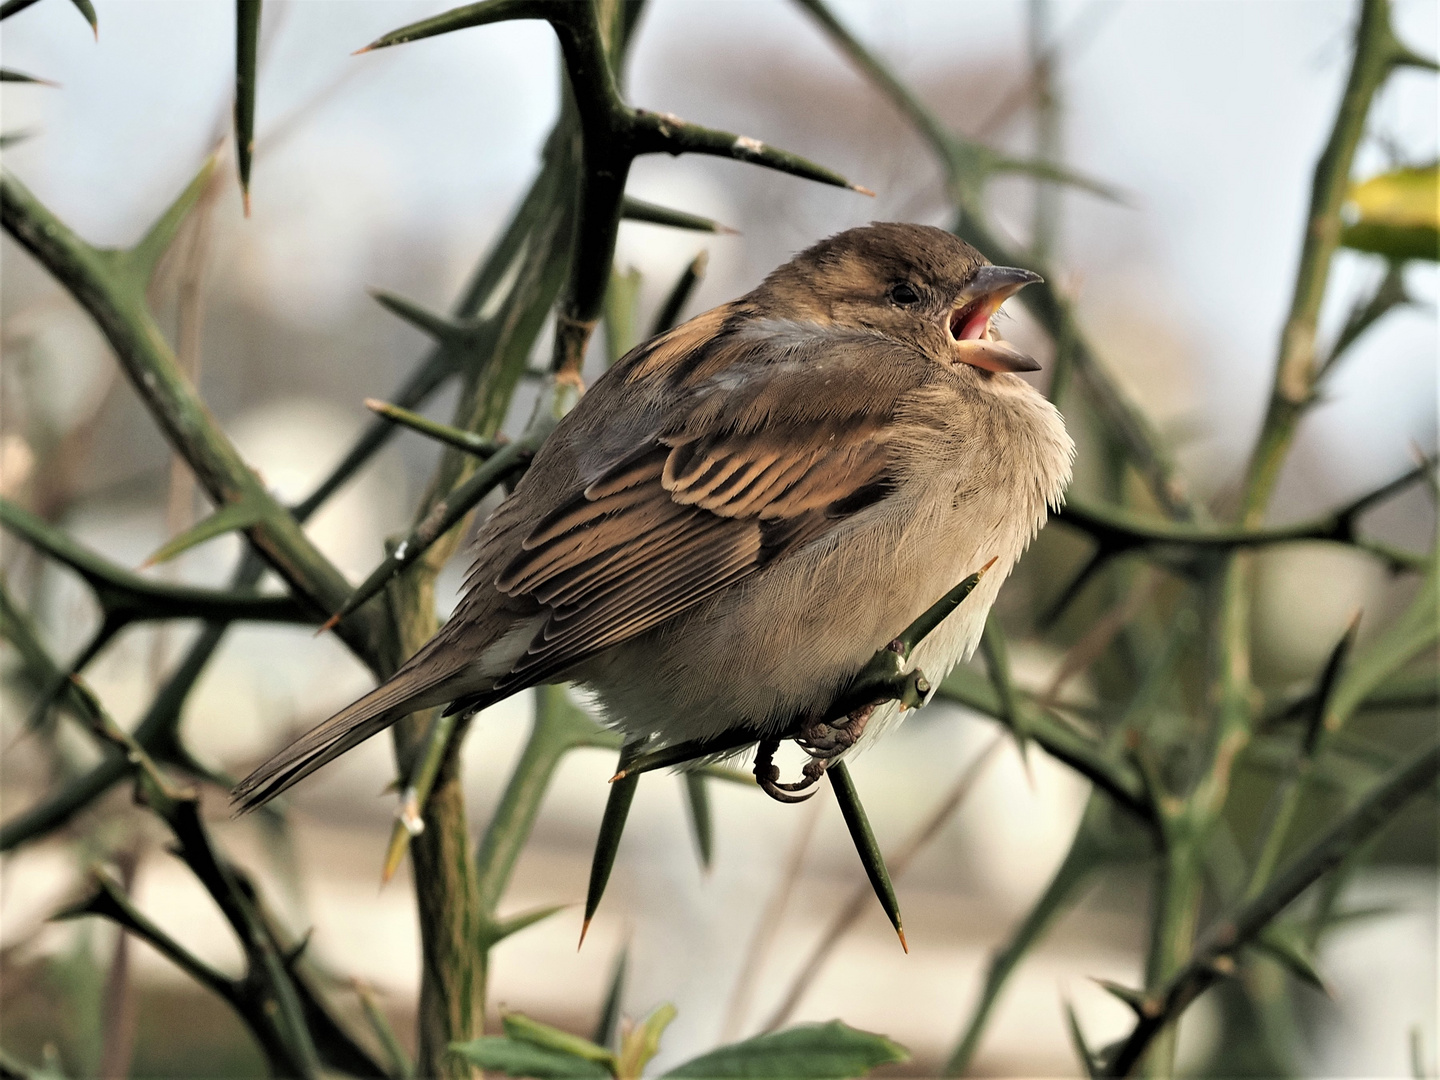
{"x":767,"y":775}
{"x":822,"y":741}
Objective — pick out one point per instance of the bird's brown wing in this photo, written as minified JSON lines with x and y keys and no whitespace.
{"x":759,"y":460}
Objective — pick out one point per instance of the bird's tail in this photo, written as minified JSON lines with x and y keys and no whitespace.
{"x":411,"y":689}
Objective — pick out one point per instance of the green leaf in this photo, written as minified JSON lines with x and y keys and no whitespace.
{"x":702,"y":826}
{"x":1397,"y":214}
{"x":229,"y":518}
{"x":522,"y":1059}
{"x":643,"y":1043}
{"x":865,"y":845}
{"x":521,"y":1028}
{"x":830,"y":1051}
{"x":247,"y":38}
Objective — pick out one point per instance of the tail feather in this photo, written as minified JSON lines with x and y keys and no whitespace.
{"x":407,"y":692}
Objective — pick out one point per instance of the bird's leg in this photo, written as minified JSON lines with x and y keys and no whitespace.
{"x":767,"y":774}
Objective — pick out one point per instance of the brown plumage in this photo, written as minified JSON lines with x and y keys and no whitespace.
{"x":741,"y":511}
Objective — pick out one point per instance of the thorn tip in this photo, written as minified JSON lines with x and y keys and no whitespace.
{"x":329,"y":624}
{"x":862,"y":190}
{"x":584,"y":929}
{"x":900,"y":932}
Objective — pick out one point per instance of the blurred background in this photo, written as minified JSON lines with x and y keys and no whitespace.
{"x":394,"y":170}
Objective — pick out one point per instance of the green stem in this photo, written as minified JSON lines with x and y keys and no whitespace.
{"x":111,"y":288}
{"x":1376,"y":53}
{"x":1214,"y":957}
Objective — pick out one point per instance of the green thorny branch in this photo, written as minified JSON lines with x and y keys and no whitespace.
{"x":588,"y":174}
{"x":613,"y":134}
{"x":1209,"y":552}
{"x":1189,"y":825}
{"x":968,"y":167}
{"x":586,"y":162}
{"x":274,"y":998}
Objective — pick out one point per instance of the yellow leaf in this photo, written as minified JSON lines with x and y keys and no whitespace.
{"x":1403,"y":197}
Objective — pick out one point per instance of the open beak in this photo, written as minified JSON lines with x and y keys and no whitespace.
{"x":968,"y":323}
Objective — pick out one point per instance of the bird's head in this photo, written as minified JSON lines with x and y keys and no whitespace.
{"x":914,"y":283}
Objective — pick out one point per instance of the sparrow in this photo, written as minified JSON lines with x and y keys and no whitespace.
{"x":742,"y":511}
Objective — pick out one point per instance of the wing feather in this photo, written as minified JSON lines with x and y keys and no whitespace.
{"x":759,"y":459}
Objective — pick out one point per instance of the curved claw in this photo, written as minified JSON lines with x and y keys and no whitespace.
{"x":781,"y":792}
{"x":767,"y":775}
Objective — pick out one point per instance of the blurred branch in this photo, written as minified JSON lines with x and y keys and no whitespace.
{"x":1231,"y":588}
{"x":1118,"y":531}
{"x":1297,"y":368}
{"x":110,"y":285}
{"x":968,"y":165}
{"x":1288,"y":795}
{"x":633,"y":209}
{"x":1215,"y":956}
{"x":1388,"y":295}
{"x":669,"y":314}
{"x":1088,"y":853}
{"x":461,"y":440}
{"x":1102,"y":838}
{"x":1045,"y":218}
{"x":559,"y":727}
{"x":278,"y":1011}
{"x":767,"y":926}
{"x":854,"y":906}
{"x":127,"y":597}
{"x":613,"y":135}
{"x":1058,"y":739}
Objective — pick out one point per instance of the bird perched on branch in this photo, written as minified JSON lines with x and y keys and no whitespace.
{"x":742,"y":511}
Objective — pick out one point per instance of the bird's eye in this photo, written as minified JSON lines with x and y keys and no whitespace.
{"x":904,"y":294}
